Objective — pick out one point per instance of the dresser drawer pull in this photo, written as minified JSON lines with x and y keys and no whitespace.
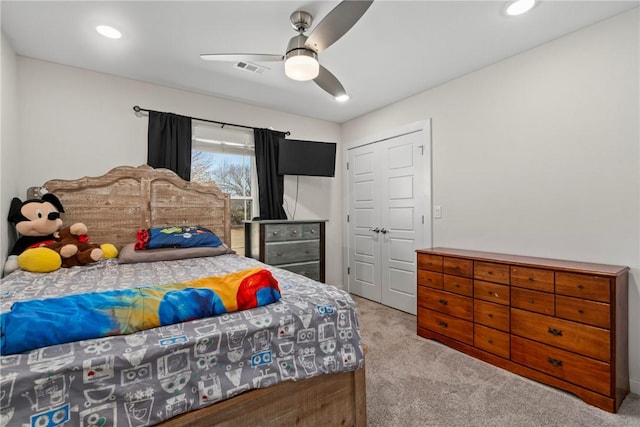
{"x":457,"y":285}
{"x":556,"y":332}
{"x":494,"y":294}
{"x":456,"y":268}
{"x":443,"y":301}
{"x":489,"y":272}
{"x":581,"y":311}
{"x":531,"y":279}
{"x":294,"y":232}
{"x":443,"y":324}
{"x":490,"y":315}
{"x":278,"y":253}
{"x":530,"y":300}
{"x":275,"y":233}
{"x":490,"y":341}
{"x":580,"y":286}
{"x":555,"y":362}
{"x":307,"y":251}
{"x":313,"y":231}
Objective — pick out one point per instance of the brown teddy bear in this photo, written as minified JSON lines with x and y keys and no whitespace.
{"x":74,"y":247}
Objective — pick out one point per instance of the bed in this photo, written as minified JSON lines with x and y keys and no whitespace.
{"x":297,"y":361}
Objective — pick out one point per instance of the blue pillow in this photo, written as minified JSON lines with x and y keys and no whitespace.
{"x":176,"y":237}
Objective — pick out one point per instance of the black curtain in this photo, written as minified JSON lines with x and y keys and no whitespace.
{"x":169,"y":143}
{"x":270,"y":184}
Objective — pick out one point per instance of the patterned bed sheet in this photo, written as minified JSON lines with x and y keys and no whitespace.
{"x":150,"y":376}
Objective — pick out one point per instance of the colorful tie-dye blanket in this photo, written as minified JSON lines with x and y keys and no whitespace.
{"x":40,"y":323}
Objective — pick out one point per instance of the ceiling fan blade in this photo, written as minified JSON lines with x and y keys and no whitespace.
{"x":329,"y":83}
{"x":336,"y":24}
{"x":235,"y":57}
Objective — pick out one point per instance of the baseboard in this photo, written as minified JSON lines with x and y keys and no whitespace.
{"x":635,"y":386}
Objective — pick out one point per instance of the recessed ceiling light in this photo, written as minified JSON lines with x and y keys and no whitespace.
{"x":108,"y":31}
{"x":519,"y":7}
{"x":342,"y":98}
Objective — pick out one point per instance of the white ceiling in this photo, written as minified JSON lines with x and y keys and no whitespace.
{"x":397,"y":49}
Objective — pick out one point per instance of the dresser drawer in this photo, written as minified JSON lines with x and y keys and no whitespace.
{"x":490,"y":314}
{"x":311,"y":231}
{"x":532,"y":278}
{"x":458,"y":267}
{"x":587,"y":340}
{"x":583,"y":371}
{"x":430,"y":262}
{"x":452,"y":327}
{"x":583,"y":286}
{"x":446,"y":302}
{"x":307,"y":269}
{"x":540,"y":302}
{"x":491,"y":292}
{"x":429,"y":278}
{"x":490,"y":340}
{"x":492,"y":272}
{"x":459,"y":285}
{"x":275,"y":232}
{"x":584,"y":311}
{"x":290,"y":252}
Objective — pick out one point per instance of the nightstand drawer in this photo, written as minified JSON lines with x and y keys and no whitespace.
{"x":490,"y":314}
{"x":540,"y":302}
{"x":290,"y":252}
{"x":571,"y":367}
{"x":491,"y":272}
{"x":311,"y":231}
{"x":491,"y":292}
{"x":584,"y":311}
{"x":452,"y":327}
{"x":446,"y":302}
{"x":583,"y":286}
{"x":307,"y":269}
{"x":491,"y":340}
{"x":532,"y":278}
{"x":587,"y":340}
{"x":430,"y":262}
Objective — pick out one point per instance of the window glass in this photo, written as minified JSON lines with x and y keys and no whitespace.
{"x":226,"y":157}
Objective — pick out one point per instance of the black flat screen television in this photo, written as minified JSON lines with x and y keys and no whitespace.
{"x":311,"y":158}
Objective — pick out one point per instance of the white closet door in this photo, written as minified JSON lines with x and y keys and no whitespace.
{"x":386,"y":219}
{"x":401,"y":213}
{"x":364,"y":215}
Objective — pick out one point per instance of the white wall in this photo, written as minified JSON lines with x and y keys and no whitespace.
{"x":9,"y":149}
{"x":539,"y":154}
{"x":74,"y":122}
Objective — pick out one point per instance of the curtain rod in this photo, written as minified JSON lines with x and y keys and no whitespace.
{"x":137,"y":109}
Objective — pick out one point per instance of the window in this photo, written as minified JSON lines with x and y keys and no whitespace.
{"x":226,"y":157}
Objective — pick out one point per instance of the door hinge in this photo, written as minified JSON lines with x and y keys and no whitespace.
{"x":421,"y":149}
{"x":348,"y":270}
{"x":347,"y":165}
{"x":347,"y":217}
{"x":423,"y":219}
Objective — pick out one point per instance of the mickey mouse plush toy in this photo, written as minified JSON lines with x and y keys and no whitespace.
{"x":36,"y":220}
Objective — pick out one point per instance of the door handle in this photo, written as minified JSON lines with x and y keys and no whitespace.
{"x":375,"y":230}
{"x":384,"y":231}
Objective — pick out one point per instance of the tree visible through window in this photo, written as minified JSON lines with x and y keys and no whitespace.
{"x":229,"y":166}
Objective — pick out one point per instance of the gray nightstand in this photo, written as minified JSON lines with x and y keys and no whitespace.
{"x":296,"y":246}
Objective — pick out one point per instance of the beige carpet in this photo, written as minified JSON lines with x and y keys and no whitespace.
{"x":412,"y":381}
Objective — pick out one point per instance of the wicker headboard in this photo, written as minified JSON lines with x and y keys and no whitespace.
{"x":115,"y":205}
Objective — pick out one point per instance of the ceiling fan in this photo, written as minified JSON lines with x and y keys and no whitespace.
{"x":301,"y":57}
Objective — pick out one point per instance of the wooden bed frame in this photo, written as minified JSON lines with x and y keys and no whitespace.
{"x":115,"y":205}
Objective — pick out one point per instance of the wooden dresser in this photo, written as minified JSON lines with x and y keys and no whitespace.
{"x":296,"y":246}
{"x":563,"y":323}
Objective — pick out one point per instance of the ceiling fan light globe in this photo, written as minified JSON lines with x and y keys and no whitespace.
{"x":301,"y":67}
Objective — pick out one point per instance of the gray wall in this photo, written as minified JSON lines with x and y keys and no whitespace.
{"x":539,"y":154}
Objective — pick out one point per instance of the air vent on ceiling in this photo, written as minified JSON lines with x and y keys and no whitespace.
{"x":248,"y":66}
